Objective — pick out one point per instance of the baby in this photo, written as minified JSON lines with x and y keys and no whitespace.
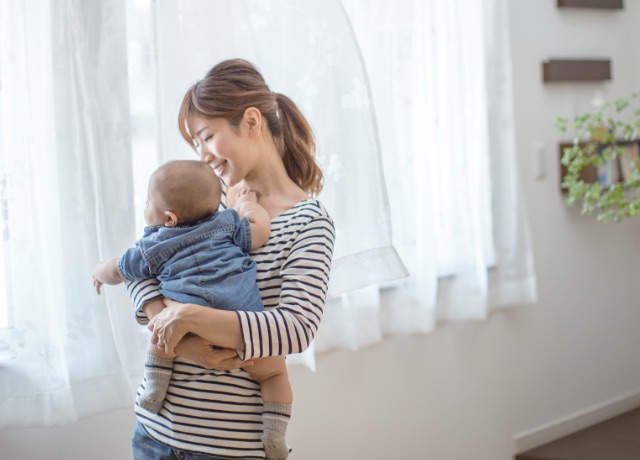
{"x":201,"y":255}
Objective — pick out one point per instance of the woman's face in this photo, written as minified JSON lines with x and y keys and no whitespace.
{"x":225,"y":148}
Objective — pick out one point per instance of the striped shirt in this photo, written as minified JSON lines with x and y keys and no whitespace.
{"x":219,"y":413}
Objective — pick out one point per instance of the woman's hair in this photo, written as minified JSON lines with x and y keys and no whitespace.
{"x":231,"y":87}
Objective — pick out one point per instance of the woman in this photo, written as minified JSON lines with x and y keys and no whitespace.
{"x":256,"y":139}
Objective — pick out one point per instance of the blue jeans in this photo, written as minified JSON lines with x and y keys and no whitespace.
{"x":147,"y":448}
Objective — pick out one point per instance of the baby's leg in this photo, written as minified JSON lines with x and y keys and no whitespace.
{"x":277,"y":398}
{"x":157,"y":374}
{"x":274,"y":380}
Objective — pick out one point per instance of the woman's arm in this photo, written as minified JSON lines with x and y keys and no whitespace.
{"x":194,"y":348}
{"x":153,"y":307}
{"x":289,"y":328}
{"x":202,"y":352}
{"x":219,"y":327}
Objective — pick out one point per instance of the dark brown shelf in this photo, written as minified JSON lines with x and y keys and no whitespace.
{"x":602,"y":4}
{"x":567,"y":70}
{"x":589,"y":173}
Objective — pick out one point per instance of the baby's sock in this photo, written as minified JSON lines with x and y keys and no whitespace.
{"x":157,"y":374}
{"x":275,"y":417}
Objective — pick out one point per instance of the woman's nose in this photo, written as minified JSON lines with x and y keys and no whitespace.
{"x":206,"y":156}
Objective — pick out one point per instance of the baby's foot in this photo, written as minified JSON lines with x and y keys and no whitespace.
{"x":150,"y":401}
{"x":157,"y":375}
{"x":275,"y":417}
{"x":275,"y":447}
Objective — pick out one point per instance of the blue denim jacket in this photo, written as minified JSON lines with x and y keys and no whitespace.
{"x":206,"y":262}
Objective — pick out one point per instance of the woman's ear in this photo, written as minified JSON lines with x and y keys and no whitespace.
{"x":252,"y":119}
{"x":170,"y":219}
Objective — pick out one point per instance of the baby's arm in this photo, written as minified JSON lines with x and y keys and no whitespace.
{"x":106,"y":272}
{"x":247,"y":206}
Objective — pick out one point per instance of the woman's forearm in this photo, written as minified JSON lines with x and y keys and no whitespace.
{"x":153,"y":307}
{"x":220,"y":327}
{"x":198,"y":349}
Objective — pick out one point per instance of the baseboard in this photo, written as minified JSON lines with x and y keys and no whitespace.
{"x":577,"y":421}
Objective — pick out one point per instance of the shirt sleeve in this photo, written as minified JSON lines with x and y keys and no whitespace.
{"x":140,"y":293}
{"x":132,"y":265}
{"x":242,"y":231}
{"x":290,"y":327}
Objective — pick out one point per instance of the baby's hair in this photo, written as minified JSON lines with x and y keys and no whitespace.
{"x":189,"y":188}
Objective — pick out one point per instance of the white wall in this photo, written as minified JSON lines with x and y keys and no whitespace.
{"x":463,"y":391}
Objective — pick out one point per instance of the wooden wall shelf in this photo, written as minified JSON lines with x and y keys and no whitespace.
{"x":588,"y":173}
{"x":619,"y":172}
{"x":558,"y":70}
{"x":602,"y":4}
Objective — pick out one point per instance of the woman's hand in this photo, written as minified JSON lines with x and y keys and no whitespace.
{"x":171,"y":324}
{"x":203,"y":353}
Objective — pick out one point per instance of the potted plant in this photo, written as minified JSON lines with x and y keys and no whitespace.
{"x":605,"y":144}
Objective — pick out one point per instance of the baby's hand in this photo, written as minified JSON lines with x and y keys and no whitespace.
{"x":97,"y":284}
{"x":245,"y":201}
{"x":246,"y":195}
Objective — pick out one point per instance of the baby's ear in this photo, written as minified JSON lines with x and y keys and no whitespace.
{"x":170,"y":219}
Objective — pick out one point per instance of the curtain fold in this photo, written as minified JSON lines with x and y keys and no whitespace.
{"x":441,"y":83}
{"x":306,"y":50}
{"x":66,"y":165}
{"x":411,"y":106}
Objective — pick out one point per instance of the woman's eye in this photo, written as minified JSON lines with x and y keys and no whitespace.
{"x":208,"y":138}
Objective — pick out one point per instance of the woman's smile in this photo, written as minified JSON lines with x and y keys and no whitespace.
{"x":219,"y":169}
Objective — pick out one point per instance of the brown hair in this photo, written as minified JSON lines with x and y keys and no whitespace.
{"x":231,"y":87}
{"x":188,"y":188}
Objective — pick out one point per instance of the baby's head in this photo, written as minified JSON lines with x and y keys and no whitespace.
{"x":181,"y":191}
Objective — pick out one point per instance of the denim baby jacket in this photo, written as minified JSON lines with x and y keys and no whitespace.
{"x":205,"y":262}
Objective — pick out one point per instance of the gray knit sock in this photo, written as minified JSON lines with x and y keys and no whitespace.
{"x":157,"y":374}
{"x":275,"y":417}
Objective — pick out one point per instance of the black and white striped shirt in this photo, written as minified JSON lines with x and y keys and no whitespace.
{"x":220,"y":413}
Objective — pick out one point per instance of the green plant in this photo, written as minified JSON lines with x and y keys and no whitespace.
{"x":601,"y":135}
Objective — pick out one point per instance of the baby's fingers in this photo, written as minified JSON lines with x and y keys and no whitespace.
{"x":243,"y":192}
{"x":97,"y":284}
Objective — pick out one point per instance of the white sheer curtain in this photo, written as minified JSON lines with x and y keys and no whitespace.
{"x":441,"y":83}
{"x":306,"y":50}
{"x":65,"y":162}
{"x":69,"y":125}
{"x":441,"y":133}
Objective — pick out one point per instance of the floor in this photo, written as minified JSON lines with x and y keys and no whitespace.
{"x":614,"y":439}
